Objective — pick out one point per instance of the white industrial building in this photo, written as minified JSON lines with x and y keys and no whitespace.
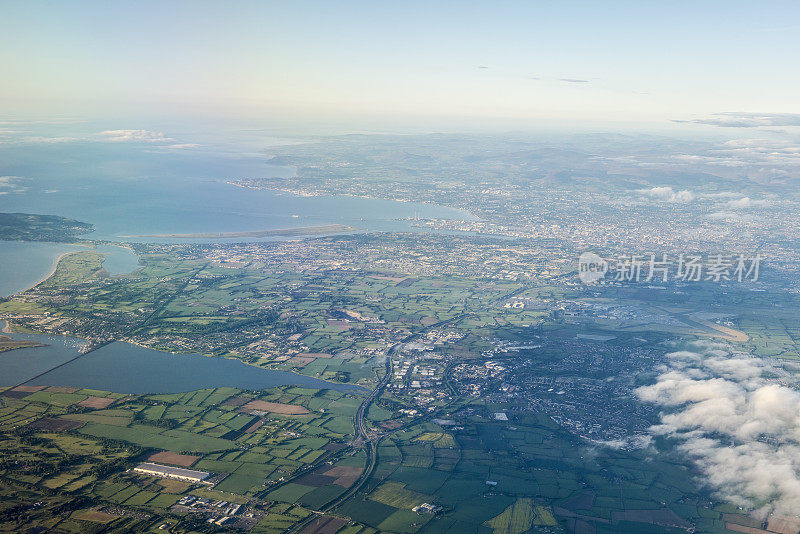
{"x":167,"y":471}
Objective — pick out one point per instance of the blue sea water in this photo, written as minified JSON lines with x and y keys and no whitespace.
{"x":24,"y":264}
{"x":126,"y":190}
{"x":134,"y":189}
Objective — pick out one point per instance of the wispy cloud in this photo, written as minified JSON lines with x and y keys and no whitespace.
{"x":573,"y":80}
{"x":746,"y":202}
{"x":11,"y":184}
{"x":39,"y":139}
{"x":140,"y":136}
{"x":181,"y":146}
{"x":747,"y":120}
{"x":49,"y":121}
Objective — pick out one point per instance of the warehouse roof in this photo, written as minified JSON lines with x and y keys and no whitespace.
{"x":168,"y":470}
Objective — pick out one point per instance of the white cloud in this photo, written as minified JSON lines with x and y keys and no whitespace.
{"x":637,"y":441}
{"x":748,"y":120}
{"x":140,"y":136}
{"x":11,"y":184}
{"x":180,"y":146}
{"x":735,"y":415}
{"x":760,"y":160}
{"x":48,"y":140}
{"x":668,"y":194}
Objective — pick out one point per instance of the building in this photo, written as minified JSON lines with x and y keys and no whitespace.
{"x":167,"y":471}
{"x":427,"y":507}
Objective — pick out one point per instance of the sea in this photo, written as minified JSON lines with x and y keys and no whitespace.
{"x":128,"y":189}
{"x":144,"y":188}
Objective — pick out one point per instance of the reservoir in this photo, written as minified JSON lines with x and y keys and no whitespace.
{"x":125,"y":368}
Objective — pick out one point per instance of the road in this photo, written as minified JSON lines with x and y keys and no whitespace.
{"x":359,"y":422}
{"x":131,"y":331}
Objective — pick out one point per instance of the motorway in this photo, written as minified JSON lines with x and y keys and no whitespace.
{"x":359,"y":422}
{"x":371,"y":444}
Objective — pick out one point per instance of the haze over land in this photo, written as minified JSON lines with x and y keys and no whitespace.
{"x":409,"y":268}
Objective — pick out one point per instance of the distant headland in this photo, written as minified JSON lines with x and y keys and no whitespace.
{"x":305,"y":230}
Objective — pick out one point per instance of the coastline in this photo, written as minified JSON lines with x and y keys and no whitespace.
{"x":89,"y":247}
{"x":51,"y":273}
{"x":304,"y":193}
{"x":29,"y":263}
{"x":302,"y":231}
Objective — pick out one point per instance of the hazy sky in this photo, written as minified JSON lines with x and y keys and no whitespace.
{"x":643,"y":60}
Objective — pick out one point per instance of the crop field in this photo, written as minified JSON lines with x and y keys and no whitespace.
{"x":83,"y":450}
{"x":231,"y":311}
{"x":772,"y":334}
{"x":515,"y":519}
{"x":513,"y":475}
{"x":395,"y":494}
{"x":488,"y":460}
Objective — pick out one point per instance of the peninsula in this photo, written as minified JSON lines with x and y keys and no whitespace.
{"x":305,"y":230}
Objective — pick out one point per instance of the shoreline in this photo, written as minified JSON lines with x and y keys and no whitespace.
{"x":301,"y":231}
{"x":306,"y":194}
{"x":23,"y":285}
{"x":352,"y":388}
{"x":233,"y":358}
{"x":51,"y":273}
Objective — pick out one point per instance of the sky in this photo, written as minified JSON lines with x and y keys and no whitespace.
{"x":509,"y":62}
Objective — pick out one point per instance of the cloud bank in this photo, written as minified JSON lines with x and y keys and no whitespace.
{"x":747,"y":120}
{"x":668,"y":194}
{"x":11,"y":184}
{"x":727,"y":203}
{"x":736,"y":417}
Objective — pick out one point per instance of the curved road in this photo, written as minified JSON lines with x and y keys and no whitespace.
{"x":360,"y":418}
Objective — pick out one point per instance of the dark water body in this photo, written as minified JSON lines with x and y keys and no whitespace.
{"x":126,"y":190}
{"x":24,"y":264}
{"x":19,"y":365}
{"x":125,"y":368}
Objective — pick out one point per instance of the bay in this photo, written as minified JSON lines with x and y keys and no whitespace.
{"x":128,"y":190}
{"x":24,"y":264}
